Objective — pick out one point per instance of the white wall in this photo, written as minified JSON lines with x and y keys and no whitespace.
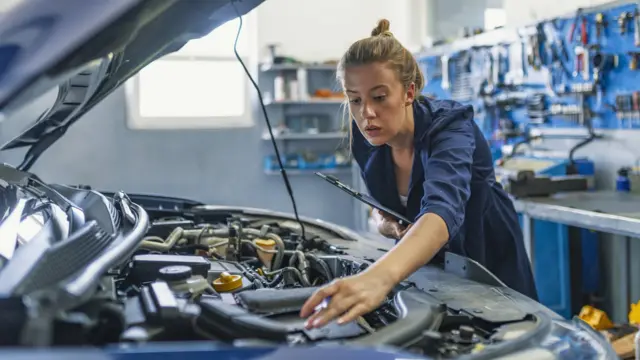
{"x":454,"y":15}
{"x":523,"y":12}
{"x":315,"y":30}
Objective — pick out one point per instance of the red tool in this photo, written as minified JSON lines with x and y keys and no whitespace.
{"x":574,"y":24}
{"x":583,"y":31}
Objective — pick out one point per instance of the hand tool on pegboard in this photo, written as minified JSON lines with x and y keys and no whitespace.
{"x":623,"y":21}
{"x":635,"y":99}
{"x":584,"y":34}
{"x":601,"y":25}
{"x":636,"y":30}
{"x":572,"y":30}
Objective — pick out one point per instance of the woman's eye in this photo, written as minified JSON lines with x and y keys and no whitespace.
{"x":354,"y":101}
{"x":380,"y":98}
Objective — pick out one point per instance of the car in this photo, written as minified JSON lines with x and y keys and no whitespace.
{"x":91,"y":274}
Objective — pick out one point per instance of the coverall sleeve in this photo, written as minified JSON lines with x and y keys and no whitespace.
{"x":448,"y":164}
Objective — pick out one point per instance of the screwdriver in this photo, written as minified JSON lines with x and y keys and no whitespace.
{"x":628,"y":107}
{"x":583,"y":31}
{"x":574,"y":24}
{"x":600,"y":24}
{"x":619,"y":109}
{"x":636,"y":108}
{"x":636,"y":32}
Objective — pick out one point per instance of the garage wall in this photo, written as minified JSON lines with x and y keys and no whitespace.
{"x":454,"y":15}
{"x":619,"y":149}
{"x":521,"y":12}
{"x":222,"y":167}
{"x":314,"y":29}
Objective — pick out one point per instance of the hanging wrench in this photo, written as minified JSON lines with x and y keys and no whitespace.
{"x":636,"y":30}
{"x":581,"y":62}
{"x":445,"y":72}
{"x":586,"y":65}
{"x":496,"y":68}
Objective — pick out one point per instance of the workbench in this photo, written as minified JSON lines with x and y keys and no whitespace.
{"x":609,"y":212}
{"x":605,"y":211}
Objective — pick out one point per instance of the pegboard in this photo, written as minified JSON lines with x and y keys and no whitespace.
{"x":535,"y":76}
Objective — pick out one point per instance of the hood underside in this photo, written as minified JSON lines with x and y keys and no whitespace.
{"x":88,"y":49}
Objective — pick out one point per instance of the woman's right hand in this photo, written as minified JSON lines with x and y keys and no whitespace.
{"x":389,"y":227}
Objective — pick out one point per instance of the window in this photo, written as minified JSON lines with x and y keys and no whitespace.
{"x":494,"y":17}
{"x":200,"y":86}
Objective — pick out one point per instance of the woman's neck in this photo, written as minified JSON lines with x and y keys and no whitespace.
{"x":404,"y":139}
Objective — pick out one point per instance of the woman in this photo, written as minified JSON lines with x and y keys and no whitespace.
{"x":429,"y":160}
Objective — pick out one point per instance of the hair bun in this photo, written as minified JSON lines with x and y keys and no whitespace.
{"x":382,"y":29}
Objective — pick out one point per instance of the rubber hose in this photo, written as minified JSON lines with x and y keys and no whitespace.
{"x":275,"y":280}
{"x":323,"y":265}
{"x":277,"y":261}
{"x":293,"y":270}
{"x":206,"y":232}
{"x":172,"y":239}
{"x":302,"y":279}
{"x":299,"y":255}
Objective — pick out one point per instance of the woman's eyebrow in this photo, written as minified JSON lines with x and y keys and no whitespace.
{"x":372,"y":89}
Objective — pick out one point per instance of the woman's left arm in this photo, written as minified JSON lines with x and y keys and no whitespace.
{"x":446,"y":188}
{"x":446,"y":192}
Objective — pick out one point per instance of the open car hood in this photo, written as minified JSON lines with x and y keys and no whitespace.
{"x":88,"y":49}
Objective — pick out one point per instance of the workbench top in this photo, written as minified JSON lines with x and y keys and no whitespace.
{"x":607,"y":211}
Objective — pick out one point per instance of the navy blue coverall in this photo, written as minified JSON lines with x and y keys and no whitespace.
{"x":453,"y":177}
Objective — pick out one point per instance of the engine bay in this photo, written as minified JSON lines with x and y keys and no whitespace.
{"x":205,"y":274}
{"x":243,"y":280}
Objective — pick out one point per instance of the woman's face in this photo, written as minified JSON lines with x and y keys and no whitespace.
{"x":377,"y":100}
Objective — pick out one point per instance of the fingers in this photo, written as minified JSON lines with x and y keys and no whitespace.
{"x":397,"y":230}
{"x":337,"y":306}
{"x":353,"y":313}
{"x":317,"y":298}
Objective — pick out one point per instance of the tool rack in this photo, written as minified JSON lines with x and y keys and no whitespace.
{"x":571,"y":77}
{"x":577,"y":71}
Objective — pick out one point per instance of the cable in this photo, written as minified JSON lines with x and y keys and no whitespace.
{"x":588,"y":122}
{"x":285,"y":178}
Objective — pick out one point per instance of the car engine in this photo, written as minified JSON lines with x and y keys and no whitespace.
{"x":208,"y":274}
{"x":245,"y":280}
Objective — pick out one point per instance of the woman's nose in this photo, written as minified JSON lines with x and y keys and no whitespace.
{"x":367,"y":111}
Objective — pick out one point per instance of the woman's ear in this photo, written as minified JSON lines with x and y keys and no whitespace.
{"x":410,"y":95}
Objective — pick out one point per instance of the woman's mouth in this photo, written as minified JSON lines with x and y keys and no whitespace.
{"x":372,"y":131}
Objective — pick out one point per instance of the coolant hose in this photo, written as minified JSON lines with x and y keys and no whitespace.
{"x":172,"y":239}
{"x":323,"y":265}
{"x":205,"y":232}
{"x":277,"y":261}
{"x":303,"y":265}
{"x":299,"y":275}
{"x":276,"y":280}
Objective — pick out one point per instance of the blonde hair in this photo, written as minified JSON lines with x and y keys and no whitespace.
{"x":382,"y":47}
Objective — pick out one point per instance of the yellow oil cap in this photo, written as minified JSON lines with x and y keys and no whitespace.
{"x":265,"y":243}
{"x":597,"y":318}
{"x":634,"y":314}
{"x":227,"y":282}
